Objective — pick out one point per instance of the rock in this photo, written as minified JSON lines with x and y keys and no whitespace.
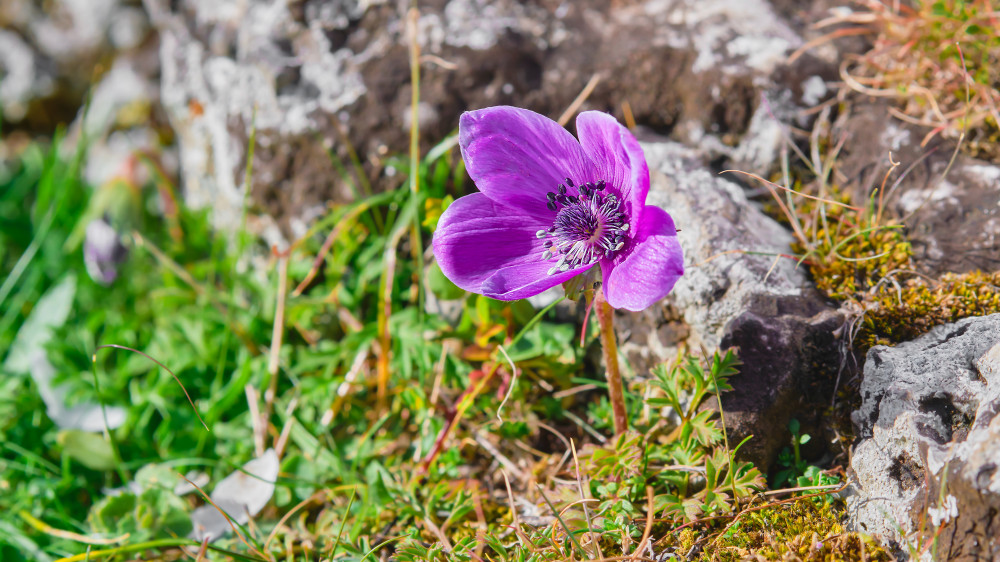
{"x":930,"y":442}
{"x":52,"y":52}
{"x":953,"y":220}
{"x":730,"y":298}
{"x":312,"y":76}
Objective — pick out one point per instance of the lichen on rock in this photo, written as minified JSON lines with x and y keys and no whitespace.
{"x":929,"y":429}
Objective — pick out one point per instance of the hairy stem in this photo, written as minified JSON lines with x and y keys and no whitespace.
{"x":609,"y":349}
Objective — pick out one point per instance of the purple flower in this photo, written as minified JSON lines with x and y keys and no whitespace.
{"x":549,"y":208}
{"x":103,"y":251}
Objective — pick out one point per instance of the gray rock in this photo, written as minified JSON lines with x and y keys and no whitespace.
{"x":311,"y":76}
{"x":51,"y":53}
{"x":730,"y":297}
{"x":929,"y":445}
{"x":953,"y":220}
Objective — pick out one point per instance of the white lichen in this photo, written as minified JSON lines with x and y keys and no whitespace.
{"x":944,"y":513}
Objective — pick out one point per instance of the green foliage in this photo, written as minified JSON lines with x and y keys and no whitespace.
{"x":149,"y":509}
{"x":691,"y":475}
{"x":406,"y":471}
{"x":794,"y":471}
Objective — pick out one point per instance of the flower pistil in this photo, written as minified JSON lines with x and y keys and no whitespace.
{"x":586,"y":227}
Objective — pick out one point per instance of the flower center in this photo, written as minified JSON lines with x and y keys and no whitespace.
{"x":586,"y":228}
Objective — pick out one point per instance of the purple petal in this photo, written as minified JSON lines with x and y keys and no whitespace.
{"x":516,"y":156}
{"x":491,"y":249}
{"x":646,"y":270}
{"x":526,"y":280}
{"x":618,"y":157}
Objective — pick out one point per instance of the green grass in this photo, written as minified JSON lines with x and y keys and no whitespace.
{"x":399,"y":429}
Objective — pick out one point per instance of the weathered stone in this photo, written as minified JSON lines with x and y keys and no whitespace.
{"x":929,"y":448}
{"x":731,"y":296}
{"x":312,"y":75}
{"x":51,"y":53}
{"x":953,"y":219}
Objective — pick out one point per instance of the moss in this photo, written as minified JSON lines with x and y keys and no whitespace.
{"x":894,"y":315}
{"x":800,"y":530}
{"x":851,"y":264}
{"x":853,"y":259}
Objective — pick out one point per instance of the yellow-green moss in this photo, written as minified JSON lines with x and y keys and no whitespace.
{"x":853,"y":259}
{"x":800,"y":530}
{"x":848,"y":264}
{"x":918,"y":305}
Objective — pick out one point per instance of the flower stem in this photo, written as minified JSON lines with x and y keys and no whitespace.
{"x":609,"y":349}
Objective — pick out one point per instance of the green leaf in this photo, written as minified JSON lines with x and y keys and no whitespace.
{"x":441,"y":286}
{"x":724,"y":367}
{"x":704,"y":429}
{"x":483,"y":309}
{"x":50,"y":313}
{"x":108,"y":514}
{"x":745,"y":479}
{"x":794,"y":426}
{"x":89,"y":449}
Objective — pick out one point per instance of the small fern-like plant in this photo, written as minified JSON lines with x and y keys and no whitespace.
{"x":687,"y":464}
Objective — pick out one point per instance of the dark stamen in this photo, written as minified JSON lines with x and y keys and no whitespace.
{"x":588,"y":226}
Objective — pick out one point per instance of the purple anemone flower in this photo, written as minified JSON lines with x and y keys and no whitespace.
{"x":103,"y":251}
{"x":550,"y":208}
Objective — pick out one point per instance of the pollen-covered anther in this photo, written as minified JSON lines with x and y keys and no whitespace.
{"x":586,"y":227}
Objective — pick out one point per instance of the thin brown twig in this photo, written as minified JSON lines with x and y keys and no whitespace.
{"x":629,"y":118}
{"x":826,"y":38}
{"x":232,"y":525}
{"x":286,"y":516}
{"x":513,"y":510}
{"x":596,"y":541}
{"x":649,"y":523}
{"x":500,"y":457}
{"x":286,"y":431}
{"x":345,"y":222}
{"x":256,"y":426}
{"x":580,"y":98}
{"x":277,"y":334}
{"x":202,"y":550}
{"x":752,"y":253}
{"x":147,"y":356}
{"x":790,"y":190}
